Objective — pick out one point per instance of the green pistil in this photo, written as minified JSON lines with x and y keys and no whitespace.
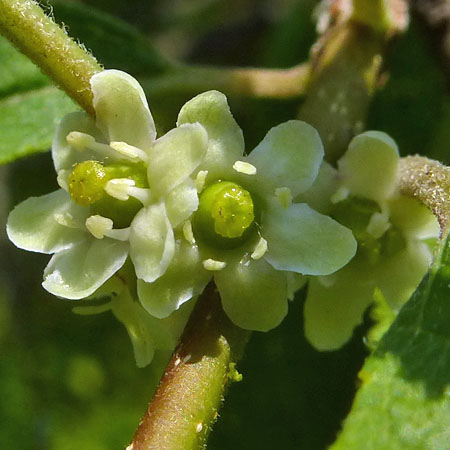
{"x":88,"y":180}
{"x":225,"y":213}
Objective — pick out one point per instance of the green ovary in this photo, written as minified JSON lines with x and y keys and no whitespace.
{"x":87,"y":182}
{"x":87,"y":188}
{"x":225,"y":213}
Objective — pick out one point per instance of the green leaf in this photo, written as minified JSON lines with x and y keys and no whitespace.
{"x":28,"y":121}
{"x":404,"y":400}
{"x":17,"y":72}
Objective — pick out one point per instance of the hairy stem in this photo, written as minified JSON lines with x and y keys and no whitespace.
{"x":429,"y":181}
{"x":25,"y":24}
{"x":191,"y":391}
{"x":247,"y":82}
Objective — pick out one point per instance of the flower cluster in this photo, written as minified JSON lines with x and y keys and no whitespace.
{"x":390,"y":228}
{"x":178,"y":210}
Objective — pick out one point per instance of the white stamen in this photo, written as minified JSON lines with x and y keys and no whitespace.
{"x":199,"y":427}
{"x":211,"y":264}
{"x":188,"y":233}
{"x":284,"y":196}
{"x":118,"y":188}
{"x":141,"y":194}
{"x":79,"y":141}
{"x":378,"y":224}
{"x":121,"y":234}
{"x":129,"y":150}
{"x":187,"y":358}
{"x":260,"y":249}
{"x":341,"y":194}
{"x":63,"y":179}
{"x":200,"y":180}
{"x":98,"y":226}
{"x":67,"y":220}
{"x":244,"y":167}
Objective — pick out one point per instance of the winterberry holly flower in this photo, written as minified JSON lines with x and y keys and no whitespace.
{"x":392,"y":257}
{"x":247,"y":233}
{"x":112,"y":203}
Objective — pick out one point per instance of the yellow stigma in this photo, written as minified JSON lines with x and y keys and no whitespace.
{"x":232,"y":210}
{"x":225,"y":211}
{"x":87,"y":182}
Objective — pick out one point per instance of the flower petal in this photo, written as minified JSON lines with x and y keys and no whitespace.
{"x":331,"y":313}
{"x":121,"y":109}
{"x":37,"y":224}
{"x":254,"y":294}
{"x":414,"y":219}
{"x":182,"y":202}
{"x":226,"y":141}
{"x":302,"y":240}
{"x":64,"y":155}
{"x":369,"y":167}
{"x":289,"y":156}
{"x":318,"y":196}
{"x":78,"y":271}
{"x":184,"y":278}
{"x":175,"y":156}
{"x":152,"y":243}
{"x":139,"y":329}
{"x":400,"y":274}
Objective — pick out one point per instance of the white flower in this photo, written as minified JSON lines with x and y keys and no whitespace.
{"x":392,"y":256}
{"x":112,"y":203}
{"x":247,"y":233}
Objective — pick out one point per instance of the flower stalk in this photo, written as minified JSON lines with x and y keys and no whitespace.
{"x":246,"y":82}
{"x":186,"y":403}
{"x":36,"y":35}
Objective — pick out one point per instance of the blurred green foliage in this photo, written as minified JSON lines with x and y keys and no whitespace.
{"x":70,"y":382}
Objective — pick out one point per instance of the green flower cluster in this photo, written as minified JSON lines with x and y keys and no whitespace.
{"x":149,"y":222}
{"x":393,"y":233}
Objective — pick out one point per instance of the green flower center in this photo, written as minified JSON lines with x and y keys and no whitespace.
{"x":225,"y":214}
{"x":355,"y":213}
{"x":87,"y":182}
{"x":87,"y":188}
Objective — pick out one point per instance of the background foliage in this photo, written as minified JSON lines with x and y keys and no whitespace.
{"x":70,"y":381}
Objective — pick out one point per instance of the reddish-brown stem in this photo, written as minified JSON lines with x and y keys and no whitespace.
{"x":191,"y":391}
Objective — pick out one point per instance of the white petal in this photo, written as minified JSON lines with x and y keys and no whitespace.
{"x":182,"y":202}
{"x":289,"y":156}
{"x":139,"y":329}
{"x":400,"y":274}
{"x":331,"y":313}
{"x":175,"y":156}
{"x":152,"y":243}
{"x":369,"y":167}
{"x":226,"y":141}
{"x":184,"y":278}
{"x":302,"y":240}
{"x":318,"y":196}
{"x":121,"y":109}
{"x":63,"y":154}
{"x":254,"y":294}
{"x":414,"y":219}
{"x":79,"y":271}
{"x":37,"y":223}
